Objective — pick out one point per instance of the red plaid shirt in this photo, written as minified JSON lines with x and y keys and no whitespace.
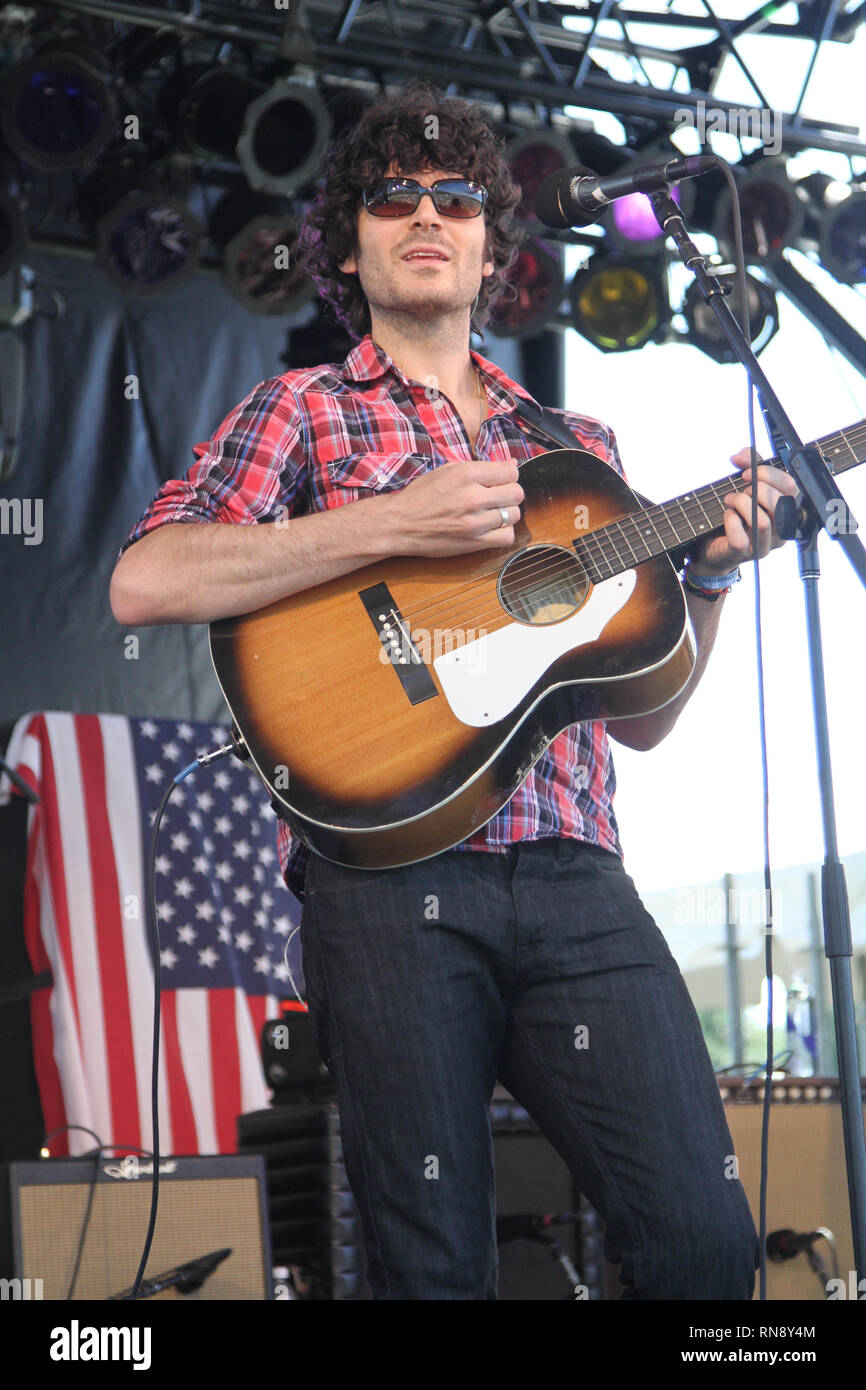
{"x":322,"y":437}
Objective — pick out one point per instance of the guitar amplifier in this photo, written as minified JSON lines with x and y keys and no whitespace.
{"x":806,"y":1174}
{"x":56,"y":1214}
{"x":806,"y":1177}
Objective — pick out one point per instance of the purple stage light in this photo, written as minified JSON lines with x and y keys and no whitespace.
{"x":634,"y":219}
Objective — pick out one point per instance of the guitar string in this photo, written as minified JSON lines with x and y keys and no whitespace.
{"x":605,"y":564}
{"x":545,"y":574}
{"x":554,"y":568}
{"x":729,"y":484}
{"x":695,"y":509}
{"x":606,"y":545}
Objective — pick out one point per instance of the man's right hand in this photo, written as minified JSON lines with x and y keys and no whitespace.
{"x":455,"y":508}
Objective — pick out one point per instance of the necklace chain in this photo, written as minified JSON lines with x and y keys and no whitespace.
{"x":482,"y":395}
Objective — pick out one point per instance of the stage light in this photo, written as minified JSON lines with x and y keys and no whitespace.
{"x":537,"y":275}
{"x":631,"y":222}
{"x":258,"y":235}
{"x":211,"y":111}
{"x":284,"y":137}
{"x":771,"y":210}
{"x":842,"y":246}
{"x":147,"y":241}
{"x":704,"y":329}
{"x":619,"y":304}
{"x":59,"y":110}
{"x":836,"y":225}
{"x":531,"y":158}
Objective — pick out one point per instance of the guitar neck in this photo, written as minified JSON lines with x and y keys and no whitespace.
{"x":667,"y":526}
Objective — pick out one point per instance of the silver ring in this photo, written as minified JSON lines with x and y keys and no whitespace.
{"x":503,"y":512}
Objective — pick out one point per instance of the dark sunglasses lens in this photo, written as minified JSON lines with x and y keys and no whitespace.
{"x":453,"y":198}
{"x":459,"y":199}
{"x":392,"y":199}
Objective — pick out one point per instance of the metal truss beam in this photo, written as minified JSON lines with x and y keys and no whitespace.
{"x":511,"y":51}
{"x":836,"y":329}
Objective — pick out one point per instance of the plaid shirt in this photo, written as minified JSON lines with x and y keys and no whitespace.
{"x":325,"y":436}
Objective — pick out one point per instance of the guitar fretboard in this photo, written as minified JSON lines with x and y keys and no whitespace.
{"x":655,"y":530}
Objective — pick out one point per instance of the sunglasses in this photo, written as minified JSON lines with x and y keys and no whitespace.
{"x":457,"y":198}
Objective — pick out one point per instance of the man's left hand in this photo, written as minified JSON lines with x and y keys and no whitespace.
{"x":721,"y":554}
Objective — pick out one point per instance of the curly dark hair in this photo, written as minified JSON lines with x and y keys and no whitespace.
{"x":395,"y":130}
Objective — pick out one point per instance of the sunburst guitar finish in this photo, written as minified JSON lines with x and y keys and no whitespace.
{"x":512,"y":647}
{"x":393,"y":711}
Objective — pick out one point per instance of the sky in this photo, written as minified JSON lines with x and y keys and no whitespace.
{"x":691,"y":809}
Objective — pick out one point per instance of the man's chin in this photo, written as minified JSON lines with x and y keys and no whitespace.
{"x":425,"y":307}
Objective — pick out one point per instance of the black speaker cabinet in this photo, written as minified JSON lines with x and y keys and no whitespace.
{"x":205,"y":1204}
{"x":532,"y":1183}
{"x":315,"y":1225}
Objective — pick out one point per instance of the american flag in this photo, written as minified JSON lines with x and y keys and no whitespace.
{"x":225,"y":920}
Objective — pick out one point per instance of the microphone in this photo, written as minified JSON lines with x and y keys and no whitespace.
{"x":185,"y":1278}
{"x":784,"y":1245}
{"x":577,"y":197}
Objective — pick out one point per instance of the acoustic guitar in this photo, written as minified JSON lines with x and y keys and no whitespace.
{"x":393,"y":711}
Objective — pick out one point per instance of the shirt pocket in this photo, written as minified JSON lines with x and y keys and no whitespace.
{"x":364,"y":474}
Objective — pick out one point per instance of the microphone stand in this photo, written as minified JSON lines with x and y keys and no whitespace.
{"x":819,"y":499}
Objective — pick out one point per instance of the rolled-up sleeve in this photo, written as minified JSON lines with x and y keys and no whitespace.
{"x":613,"y":457}
{"x":253,"y":468}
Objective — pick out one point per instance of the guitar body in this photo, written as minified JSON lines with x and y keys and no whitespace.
{"x":377,"y":761}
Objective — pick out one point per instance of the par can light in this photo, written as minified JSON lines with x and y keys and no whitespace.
{"x":284,"y":137}
{"x":212,"y":110}
{"x":771,"y":211}
{"x":148,"y":243}
{"x":531,"y":158}
{"x":631,"y":223}
{"x":619,"y":304}
{"x":59,"y":111}
{"x":258,"y":236}
{"x":842,"y":242}
{"x":538,"y":278}
{"x":704,"y":329}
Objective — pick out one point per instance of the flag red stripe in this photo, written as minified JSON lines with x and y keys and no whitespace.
{"x":53,"y":843}
{"x":258,"y":1007}
{"x":108,"y":930}
{"x":184,"y":1136}
{"x":41,"y":1025}
{"x":225,"y":1067}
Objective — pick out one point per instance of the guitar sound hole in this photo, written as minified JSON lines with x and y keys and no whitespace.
{"x":542,"y":584}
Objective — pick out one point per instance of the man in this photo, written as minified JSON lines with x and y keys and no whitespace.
{"x":524,"y":953}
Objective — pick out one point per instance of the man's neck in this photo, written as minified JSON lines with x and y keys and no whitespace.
{"x":430,"y":349}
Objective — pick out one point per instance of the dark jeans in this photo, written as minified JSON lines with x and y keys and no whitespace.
{"x":539,"y":967}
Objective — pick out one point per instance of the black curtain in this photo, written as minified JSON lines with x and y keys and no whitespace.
{"x":117,"y":389}
{"x":94,"y":447}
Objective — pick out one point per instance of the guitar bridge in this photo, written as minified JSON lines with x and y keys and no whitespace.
{"x":396,"y":640}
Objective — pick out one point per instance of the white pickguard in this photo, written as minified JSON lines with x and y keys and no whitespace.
{"x":485,"y":679}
